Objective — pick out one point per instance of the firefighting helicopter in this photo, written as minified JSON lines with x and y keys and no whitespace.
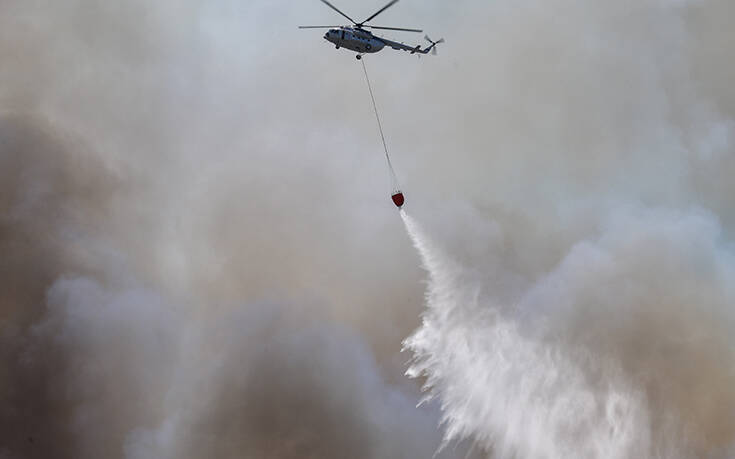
{"x":356,"y":38}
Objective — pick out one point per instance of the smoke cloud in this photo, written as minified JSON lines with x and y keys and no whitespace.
{"x":169,"y":287}
{"x":100,"y":360}
{"x":199,"y":257}
{"x":587,"y":311}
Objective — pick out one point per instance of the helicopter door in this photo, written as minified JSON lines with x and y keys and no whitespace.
{"x":343,"y":35}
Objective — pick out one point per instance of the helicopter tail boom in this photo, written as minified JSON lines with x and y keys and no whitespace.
{"x":413,"y":49}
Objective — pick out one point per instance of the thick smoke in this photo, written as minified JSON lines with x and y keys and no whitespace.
{"x":170,"y":286}
{"x":586,"y":308}
{"x":199,"y":257}
{"x":98,"y":360}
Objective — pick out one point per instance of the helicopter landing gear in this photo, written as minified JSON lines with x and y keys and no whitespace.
{"x":337,"y":46}
{"x":358,"y":57}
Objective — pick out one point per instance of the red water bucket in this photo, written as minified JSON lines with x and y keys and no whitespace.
{"x":398,"y":199}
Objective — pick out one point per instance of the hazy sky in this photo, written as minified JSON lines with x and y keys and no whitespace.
{"x":199,"y":257}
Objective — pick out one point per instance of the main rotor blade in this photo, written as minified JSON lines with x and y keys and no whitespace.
{"x":393,"y":2}
{"x":394,"y":28}
{"x":337,"y":10}
{"x":318,"y":27}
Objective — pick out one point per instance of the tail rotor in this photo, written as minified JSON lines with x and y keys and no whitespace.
{"x":433,"y":44}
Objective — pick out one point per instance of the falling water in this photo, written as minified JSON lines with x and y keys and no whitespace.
{"x":519,"y":392}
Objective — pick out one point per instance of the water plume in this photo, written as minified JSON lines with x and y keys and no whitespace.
{"x":613,"y":353}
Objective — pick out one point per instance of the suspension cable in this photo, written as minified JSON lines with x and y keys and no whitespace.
{"x":380,"y":127}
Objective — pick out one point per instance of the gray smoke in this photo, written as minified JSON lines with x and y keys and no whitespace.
{"x":199,"y":257}
{"x":586,"y":308}
{"x":173,"y":284}
{"x":100,"y":359}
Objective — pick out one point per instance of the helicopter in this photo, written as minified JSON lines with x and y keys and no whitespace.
{"x":356,"y":38}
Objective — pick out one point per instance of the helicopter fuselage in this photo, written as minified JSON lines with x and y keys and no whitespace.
{"x":354,"y":39}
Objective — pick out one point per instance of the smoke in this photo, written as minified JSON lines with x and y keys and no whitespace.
{"x":579,"y":303}
{"x":101,"y":359}
{"x":260,"y":382}
{"x":169,"y":288}
{"x":199,"y":257}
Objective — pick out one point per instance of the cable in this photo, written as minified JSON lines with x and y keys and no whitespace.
{"x":380,"y":127}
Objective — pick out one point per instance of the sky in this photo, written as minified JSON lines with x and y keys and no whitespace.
{"x":200,"y":257}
